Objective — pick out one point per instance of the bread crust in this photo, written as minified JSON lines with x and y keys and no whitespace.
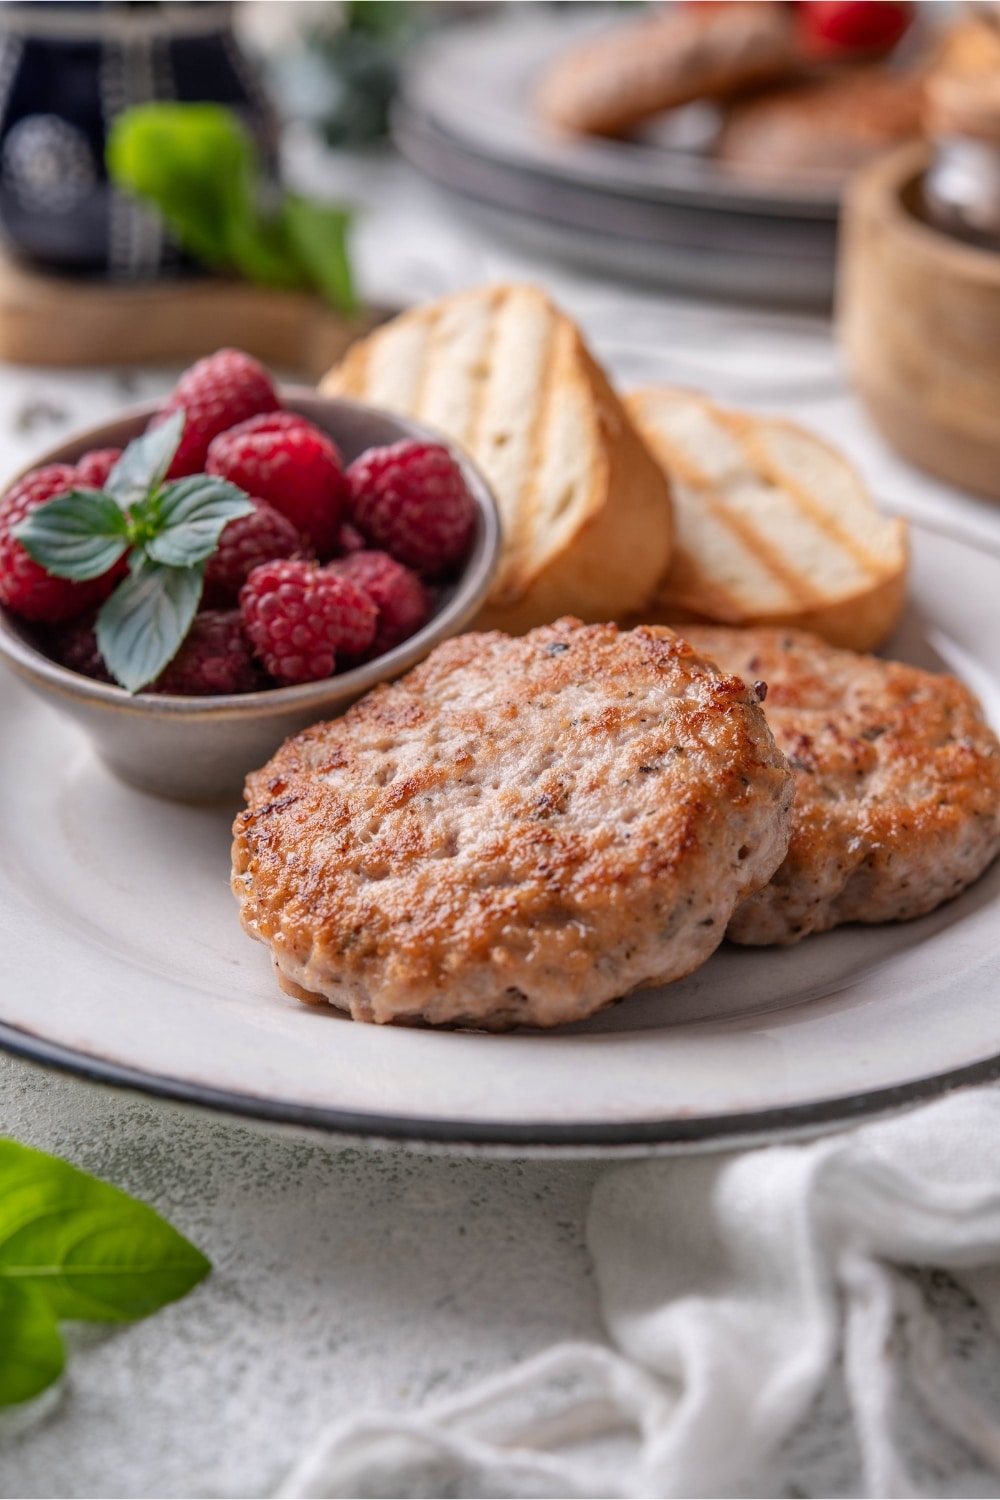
{"x":897,"y":784}
{"x":857,"y":616}
{"x":854,"y":624}
{"x":590,"y":535}
{"x":520,"y":831}
{"x":604,"y":570}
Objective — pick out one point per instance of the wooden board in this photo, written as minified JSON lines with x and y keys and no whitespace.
{"x":919,"y":317}
{"x":72,"y":321}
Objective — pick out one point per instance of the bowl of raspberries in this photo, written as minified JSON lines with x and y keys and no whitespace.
{"x":196,"y":581}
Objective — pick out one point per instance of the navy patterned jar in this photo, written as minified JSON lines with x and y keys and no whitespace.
{"x":66,"y":71}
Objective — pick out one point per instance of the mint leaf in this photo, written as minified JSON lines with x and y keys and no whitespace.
{"x":77,"y":535}
{"x":141,"y":627}
{"x":31,"y":1350}
{"x":74,"y":1247}
{"x":318,"y":235}
{"x":143,"y":466}
{"x":191,"y":516}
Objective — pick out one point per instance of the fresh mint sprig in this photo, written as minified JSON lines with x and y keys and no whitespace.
{"x":73,"y":1247}
{"x":143,"y":466}
{"x":78,"y":535}
{"x":167,"y":531}
{"x":142,"y":624}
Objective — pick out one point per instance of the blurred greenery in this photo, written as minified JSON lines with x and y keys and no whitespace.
{"x":343,"y":77}
{"x":202,"y":171}
{"x":348,"y":69}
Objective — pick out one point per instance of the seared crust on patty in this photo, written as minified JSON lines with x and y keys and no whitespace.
{"x":521,"y":830}
{"x":897,"y":784}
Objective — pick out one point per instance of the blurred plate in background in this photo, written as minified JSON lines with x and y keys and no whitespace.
{"x":641,"y":210}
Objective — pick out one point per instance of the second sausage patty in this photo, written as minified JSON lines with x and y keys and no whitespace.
{"x":897,"y":783}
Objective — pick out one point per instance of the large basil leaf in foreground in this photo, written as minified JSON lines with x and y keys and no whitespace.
{"x":72,"y":1246}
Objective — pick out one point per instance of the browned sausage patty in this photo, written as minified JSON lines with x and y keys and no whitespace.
{"x":897,"y":784}
{"x":519,"y":831}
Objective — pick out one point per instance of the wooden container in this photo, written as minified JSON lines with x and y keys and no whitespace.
{"x":47,"y":319}
{"x":919,"y":319}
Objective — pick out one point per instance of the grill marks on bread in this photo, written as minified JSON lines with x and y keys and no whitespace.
{"x":897,"y":784}
{"x":521,"y":830}
{"x":772,"y":525}
{"x":502,"y":373}
{"x":483,"y":370}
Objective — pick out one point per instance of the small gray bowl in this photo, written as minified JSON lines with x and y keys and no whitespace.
{"x":200,"y":749}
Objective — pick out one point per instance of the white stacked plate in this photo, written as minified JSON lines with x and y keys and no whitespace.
{"x":656,"y":210}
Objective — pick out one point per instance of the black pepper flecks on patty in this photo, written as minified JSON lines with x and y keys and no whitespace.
{"x":897,"y":784}
{"x":521,"y":830}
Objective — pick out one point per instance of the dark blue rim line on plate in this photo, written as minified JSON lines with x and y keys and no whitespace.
{"x":719,"y":1129}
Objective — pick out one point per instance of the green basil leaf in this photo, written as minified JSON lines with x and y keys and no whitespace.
{"x":260,"y":251}
{"x":144,"y":464}
{"x":318,"y":235}
{"x":31,"y":1351}
{"x":195,"y":162}
{"x":141,"y":627}
{"x":199,"y":167}
{"x":77,"y":535}
{"x":88,"y":1249}
{"x":72,"y":1246}
{"x":191,"y":516}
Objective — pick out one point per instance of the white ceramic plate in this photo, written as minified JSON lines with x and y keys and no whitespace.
{"x":656,"y":209}
{"x":476,"y":83}
{"x":123,"y":959}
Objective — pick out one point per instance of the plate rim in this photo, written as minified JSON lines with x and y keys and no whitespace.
{"x":415,"y":135}
{"x":715,"y":1132}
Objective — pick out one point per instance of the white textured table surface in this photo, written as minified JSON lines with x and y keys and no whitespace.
{"x":347,"y":1279}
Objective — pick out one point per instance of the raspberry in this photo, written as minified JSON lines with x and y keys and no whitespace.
{"x":25,"y":587}
{"x":214,"y":658}
{"x":411,"y":500}
{"x":37,"y":486}
{"x":216,"y":393}
{"x":349,"y":539}
{"x":404,"y":605}
{"x":244,"y":544}
{"x":298,"y":617}
{"x":288,"y":462}
{"x":844,"y":27}
{"x":75,"y":646}
{"x":279,"y":421}
{"x":92,"y":469}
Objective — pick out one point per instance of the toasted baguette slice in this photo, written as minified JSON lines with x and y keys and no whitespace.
{"x":773,"y":526}
{"x":585,"y":508}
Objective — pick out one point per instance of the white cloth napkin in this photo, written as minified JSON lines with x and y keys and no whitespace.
{"x":730,"y":1284}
